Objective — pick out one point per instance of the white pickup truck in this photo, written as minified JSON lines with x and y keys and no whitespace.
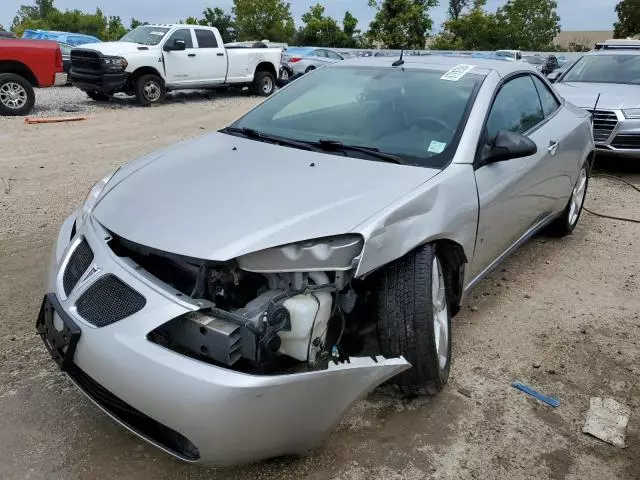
{"x":154,"y":59}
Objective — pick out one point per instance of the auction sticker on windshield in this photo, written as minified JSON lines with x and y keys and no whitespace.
{"x":436,"y":147}
{"x":457,"y":72}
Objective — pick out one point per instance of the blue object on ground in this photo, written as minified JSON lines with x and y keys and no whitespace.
{"x":554,"y":402}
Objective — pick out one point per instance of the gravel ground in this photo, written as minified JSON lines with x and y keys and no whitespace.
{"x":559,"y":315}
{"x":68,"y":100}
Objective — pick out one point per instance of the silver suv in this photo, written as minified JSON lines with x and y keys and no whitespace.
{"x":607,"y":83}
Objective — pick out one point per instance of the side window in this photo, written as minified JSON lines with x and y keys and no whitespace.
{"x":206,"y":38}
{"x":182,"y":34}
{"x":320,"y":53}
{"x":549,"y":102}
{"x":516,"y":108}
{"x":333,"y":55}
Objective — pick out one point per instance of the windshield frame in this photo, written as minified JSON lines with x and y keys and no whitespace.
{"x":148,"y":27}
{"x":439,"y":161}
{"x":568,"y":71}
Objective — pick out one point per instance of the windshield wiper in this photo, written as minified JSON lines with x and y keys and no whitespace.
{"x":334,"y":145}
{"x":265,"y":137}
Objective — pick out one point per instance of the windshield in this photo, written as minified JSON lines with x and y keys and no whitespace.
{"x":535,"y":60}
{"x":605,"y":69}
{"x":412,"y":114}
{"x":145,"y":35}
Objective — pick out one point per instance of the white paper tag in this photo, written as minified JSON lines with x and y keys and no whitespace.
{"x":457,"y":72}
{"x":437,"y":147}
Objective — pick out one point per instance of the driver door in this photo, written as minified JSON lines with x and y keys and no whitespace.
{"x":181,"y":66}
{"x":512,"y":193}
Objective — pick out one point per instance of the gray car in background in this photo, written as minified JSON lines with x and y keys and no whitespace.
{"x":302,"y":60}
{"x":607,"y":84}
{"x":230,"y":297}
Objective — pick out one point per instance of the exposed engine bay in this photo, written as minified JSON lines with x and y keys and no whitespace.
{"x":252,"y":322}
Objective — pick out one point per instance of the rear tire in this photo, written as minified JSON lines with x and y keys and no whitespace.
{"x":99,"y":97}
{"x":16,"y":95}
{"x":565,"y":224}
{"x":264,"y":84}
{"x":414,"y":320}
{"x":150,"y":90}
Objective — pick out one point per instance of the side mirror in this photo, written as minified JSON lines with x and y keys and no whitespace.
{"x":507,"y":146}
{"x":178,"y":46}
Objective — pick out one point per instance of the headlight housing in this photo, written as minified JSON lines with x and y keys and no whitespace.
{"x":323,"y":254}
{"x":631,"y":113}
{"x":114,"y":64}
{"x":92,"y":199}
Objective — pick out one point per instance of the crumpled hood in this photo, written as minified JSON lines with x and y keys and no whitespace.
{"x":113,"y":48}
{"x":219,"y":196}
{"x":612,"y":96}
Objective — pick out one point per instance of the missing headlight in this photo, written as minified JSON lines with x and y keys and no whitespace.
{"x":323,"y":254}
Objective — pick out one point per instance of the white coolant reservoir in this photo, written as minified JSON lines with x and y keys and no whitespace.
{"x":303,"y":309}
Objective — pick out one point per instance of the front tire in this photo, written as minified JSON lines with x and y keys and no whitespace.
{"x":16,"y":95}
{"x":264,"y":84}
{"x":149,"y":90}
{"x":414,"y":320}
{"x":565,"y":224}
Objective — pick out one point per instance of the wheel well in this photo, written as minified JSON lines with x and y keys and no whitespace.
{"x":144,"y":71}
{"x":453,"y":260}
{"x":19,"y":68}
{"x":267,"y":67}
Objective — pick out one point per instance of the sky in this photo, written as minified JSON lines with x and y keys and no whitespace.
{"x":574,"y":14}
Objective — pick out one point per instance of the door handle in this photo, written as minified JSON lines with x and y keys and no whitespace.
{"x":553,"y":147}
{"x":220,"y":54}
{"x":191,"y":55}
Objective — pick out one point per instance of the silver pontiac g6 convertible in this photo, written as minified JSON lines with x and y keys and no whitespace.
{"x":229,"y":298}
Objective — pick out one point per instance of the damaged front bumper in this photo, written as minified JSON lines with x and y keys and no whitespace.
{"x":193,"y":410}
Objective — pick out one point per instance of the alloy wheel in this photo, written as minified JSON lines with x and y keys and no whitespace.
{"x":152,"y":91}
{"x":267,"y":85}
{"x":440,"y":314}
{"x":577,"y":197}
{"x":13,"y":95}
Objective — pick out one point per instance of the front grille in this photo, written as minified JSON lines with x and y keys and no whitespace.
{"x":109,"y":300}
{"x":630,"y":142}
{"x":604,"y":121}
{"x":87,"y":61}
{"x":146,"y":427}
{"x":80,"y":260}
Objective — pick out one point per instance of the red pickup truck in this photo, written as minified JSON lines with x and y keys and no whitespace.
{"x":25,"y":64}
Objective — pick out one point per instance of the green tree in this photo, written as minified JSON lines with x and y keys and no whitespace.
{"x":353,"y":36}
{"x":217,"y":17}
{"x":475,"y":30}
{"x":401,"y":23}
{"x":628,"y":23}
{"x":529,"y":24}
{"x":319,"y":30}
{"x":192,"y":21}
{"x":264,"y":19}
{"x":456,"y":7}
{"x":79,"y":22}
{"x":115,"y":29}
{"x":136,"y":23}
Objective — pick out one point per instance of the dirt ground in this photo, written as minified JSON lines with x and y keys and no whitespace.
{"x":559,"y":315}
